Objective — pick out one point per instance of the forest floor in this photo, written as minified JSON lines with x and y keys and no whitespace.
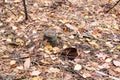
{"x":83,"y":43}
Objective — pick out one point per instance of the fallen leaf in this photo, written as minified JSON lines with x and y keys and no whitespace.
{"x":5,"y":56}
{"x":108,"y":60}
{"x":108,"y":44}
{"x":64,"y":46}
{"x":20,"y":18}
{"x":35,"y":5}
{"x":20,"y":67}
{"x":45,"y":62}
{"x":20,"y":41}
{"x":48,"y":48}
{"x":104,"y":66}
{"x":56,"y":50}
{"x":53,"y":57}
{"x":54,"y":70}
{"x":116,"y":63}
{"x":116,"y":27}
{"x":101,"y":55}
{"x":36,"y":78}
{"x":9,"y":40}
{"x":71,"y":37}
{"x":117,"y":70}
{"x":93,"y":43}
{"x":97,"y":32}
{"x":17,"y":1}
{"x":69,"y":53}
{"x":118,"y":47}
{"x":12,"y":63}
{"x":27,"y":64}
{"x":68,"y":77}
{"x":14,"y":27}
{"x":115,"y":56}
{"x":77,"y":67}
{"x":35,"y":73}
{"x":1,"y":24}
{"x":86,"y":75}
{"x":63,"y":21}
{"x":71,"y":27}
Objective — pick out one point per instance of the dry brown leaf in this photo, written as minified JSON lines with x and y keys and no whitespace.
{"x":71,"y":37}
{"x":56,"y":50}
{"x":14,"y":27}
{"x":35,"y":73}
{"x":115,"y":56}
{"x":116,"y":27}
{"x":105,"y":66}
{"x":20,"y":67}
{"x":5,"y":56}
{"x":117,"y":70}
{"x":21,"y":18}
{"x":48,"y":48}
{"x":16,"y":1}
{"x":108,"y":59}
{"x":45,"y":61}
{"x":116,"y":63}
{"x":9,"y":40}
{"x":93,"y":43}
{"x":109,"y":44}
{"x":36,"y":78}
{"x":20,"y":41}
{"x":27,"y":64}
{"x":65,"y":46}
{"x":71,"y":27}
{"x":54,"y":70}
{"x":101,"y":55}
{"x":68,"y":76}
{"x":63,"y":21}
{"x":12,"y":63}
{"x":97,"y":32}
{"x":118,"y":47}
{"x":86,"y":74}
{"x":69,"y":53}
{"x":1,"y":24}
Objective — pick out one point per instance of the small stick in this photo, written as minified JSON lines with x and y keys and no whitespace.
{"x":113,"y":6}
{"x":7,"y":8}
{"x":25,"y":10}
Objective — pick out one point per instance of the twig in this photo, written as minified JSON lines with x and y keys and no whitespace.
{"x":97,"y":71}
{"x":25,"y":10}
{"x":113,"y":6}
{"x":106,"y":75}
{"x":8,"y":9}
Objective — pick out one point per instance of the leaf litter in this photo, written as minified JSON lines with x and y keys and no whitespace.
{"x":78,"y":31}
